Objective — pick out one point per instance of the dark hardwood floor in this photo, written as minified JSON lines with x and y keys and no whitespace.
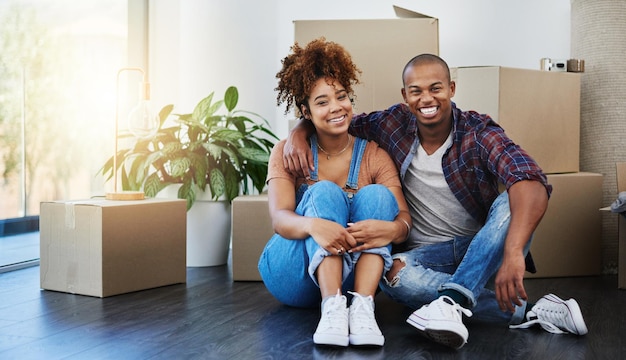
{"x":212,"y":317}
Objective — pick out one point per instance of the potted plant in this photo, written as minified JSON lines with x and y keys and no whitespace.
{"x":206,"y":152}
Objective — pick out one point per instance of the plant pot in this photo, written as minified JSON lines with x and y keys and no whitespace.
{"x":208,"y":233}
{"x":208,"y":229}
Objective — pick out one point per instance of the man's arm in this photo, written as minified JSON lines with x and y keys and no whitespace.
{"x":528,"y":201}
{"x":297,"y":156}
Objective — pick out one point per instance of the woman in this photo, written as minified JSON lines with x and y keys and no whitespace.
{"x":334,"y":229}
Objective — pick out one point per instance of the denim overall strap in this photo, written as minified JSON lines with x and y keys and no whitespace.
{"x":358,"y":150}
{"x":313,"y":175}
{"x":355,"y":164}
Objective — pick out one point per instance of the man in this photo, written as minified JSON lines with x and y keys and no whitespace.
{"x":465,"y":234}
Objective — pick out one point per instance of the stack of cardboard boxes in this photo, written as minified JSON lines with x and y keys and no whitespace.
{"x":538,"y":109}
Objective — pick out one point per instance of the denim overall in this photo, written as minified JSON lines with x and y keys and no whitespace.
{"x":288,"y":266}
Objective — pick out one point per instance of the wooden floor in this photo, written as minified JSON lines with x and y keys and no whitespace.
{"x":212,"y":317}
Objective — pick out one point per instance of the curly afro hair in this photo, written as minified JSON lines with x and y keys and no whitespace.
{"x":304,"y":66}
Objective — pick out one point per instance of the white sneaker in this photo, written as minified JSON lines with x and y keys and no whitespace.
{"x":442,"y":322}
{"x":556,"y":316}
{"x":363,"y":327}
{"x":333,"y":326}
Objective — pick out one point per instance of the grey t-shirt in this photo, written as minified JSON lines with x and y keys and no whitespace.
{"x":437,"y":214}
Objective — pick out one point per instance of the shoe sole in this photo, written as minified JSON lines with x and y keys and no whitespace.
{"x":574,"y":310}
{"x":365,"y":340}
{"x":440,"y":332}
{"x":333,"y":340}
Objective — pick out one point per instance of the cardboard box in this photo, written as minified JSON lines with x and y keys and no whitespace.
{"x":103,"y":247}
{"x":568,"y":241}
{"x":251,"y":229}
{"x":380,"y":48}
{"x":539,"y":110}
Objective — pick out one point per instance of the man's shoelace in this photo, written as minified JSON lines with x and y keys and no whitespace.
{"x":547,"y":317}
{"x":455,"y":309}
{"x":549,"y":327}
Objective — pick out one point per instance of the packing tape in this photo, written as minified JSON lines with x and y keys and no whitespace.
{"x":70,"y":216}
{"x":70,"y":212}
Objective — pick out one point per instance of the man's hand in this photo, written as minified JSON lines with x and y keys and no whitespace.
{"x":509,"y":282}
{"x":297,"y":155}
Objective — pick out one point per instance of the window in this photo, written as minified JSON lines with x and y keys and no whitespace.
{"x":58,"y":66}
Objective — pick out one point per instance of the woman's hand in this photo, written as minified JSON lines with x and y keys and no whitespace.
{"x":331,"y":236}
{"x":371,"y":233}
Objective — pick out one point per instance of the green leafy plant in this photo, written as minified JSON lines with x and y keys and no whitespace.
{"x":228,"y":153}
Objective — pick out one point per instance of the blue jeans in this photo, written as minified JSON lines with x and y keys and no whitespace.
{"x":464,"y":264}
{"x":288,"y":267}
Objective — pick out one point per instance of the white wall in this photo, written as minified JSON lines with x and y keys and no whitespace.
{"x":199,"y":46}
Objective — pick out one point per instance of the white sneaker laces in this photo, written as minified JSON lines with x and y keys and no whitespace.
{"x":547,"y":325}
{"x":333,"y":309}
{"x":455,"y":310}
{"x":442,"y":322}
{"x":550,"y":315}
{"x":362,"y":309}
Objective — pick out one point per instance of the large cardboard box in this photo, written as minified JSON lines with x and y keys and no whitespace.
{"x":102,"y":247}
{"x":539,"y":110}
{"x":380,"y":48}
{"x":251,"y":229}
{"x":568,"y":241}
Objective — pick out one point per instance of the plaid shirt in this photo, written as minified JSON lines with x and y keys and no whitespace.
{"x":480,"y":158}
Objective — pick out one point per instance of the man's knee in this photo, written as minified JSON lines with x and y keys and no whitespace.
{"x":392,"y":274}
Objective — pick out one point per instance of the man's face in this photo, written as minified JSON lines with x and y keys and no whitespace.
{"x":428,"y":92}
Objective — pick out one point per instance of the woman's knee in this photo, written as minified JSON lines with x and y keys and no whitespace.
{"x":325,"y":192}
{"x":377,"y":192}
{"x":325,"y":199}
{"x":325,"y":188}
{"x":375,"y":201}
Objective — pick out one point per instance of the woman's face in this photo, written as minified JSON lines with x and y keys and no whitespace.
{"x":330,"y":108}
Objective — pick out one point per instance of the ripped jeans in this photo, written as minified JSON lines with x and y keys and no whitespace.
{"x":465,"y":264}
{"x":288,"y":267}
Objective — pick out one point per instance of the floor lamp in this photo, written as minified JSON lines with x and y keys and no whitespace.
{"x":142,"y":123}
